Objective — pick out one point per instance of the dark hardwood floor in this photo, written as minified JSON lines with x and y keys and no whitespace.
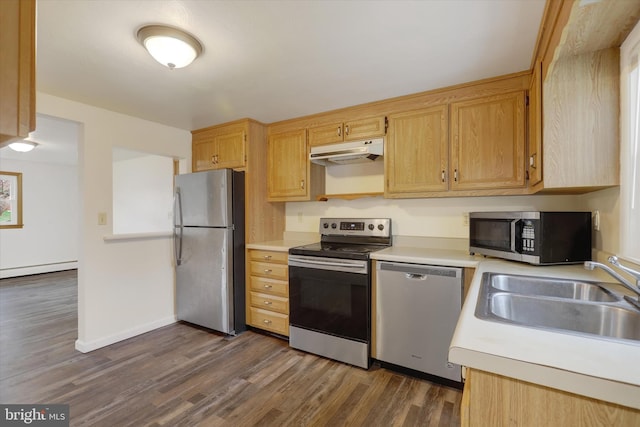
{"x":181,"y":375}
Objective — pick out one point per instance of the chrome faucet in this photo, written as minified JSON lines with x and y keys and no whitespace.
{"x":635,"y":288}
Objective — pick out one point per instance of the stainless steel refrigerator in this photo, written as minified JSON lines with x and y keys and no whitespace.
{"x":209,"y":249}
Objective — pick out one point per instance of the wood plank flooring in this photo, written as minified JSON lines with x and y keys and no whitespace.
{"x":181,"y":375}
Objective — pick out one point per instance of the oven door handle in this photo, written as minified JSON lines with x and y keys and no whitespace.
{"x":300,"y":263}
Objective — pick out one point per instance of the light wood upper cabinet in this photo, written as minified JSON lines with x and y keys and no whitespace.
{"x":417,"y":152}
{"x":288,"y":166}
{"x":488,"y":142}
{"x":17,"y":69}
{"x":534,"y":143}
{"x":347,"y":131}
{"x":219,"y":148}
{"x":581,"y":135}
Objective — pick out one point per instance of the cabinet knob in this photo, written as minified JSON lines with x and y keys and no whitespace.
{"x":267,"y":257}
{"x":532,"y":160}
{"x":443,"y":176}
{"x":346,"y":130}
{"x":267,"y":271}
{"x":266,"y":321}
{"x":455,"y":175}
{"x":268,"y":303}
{"x":302,"y":184}
{"x":339,"y":130}
{"x":267,"y":286}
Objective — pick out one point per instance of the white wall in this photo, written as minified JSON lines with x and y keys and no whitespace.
{"x":124,"y":287}
{"x":438,"y":217}
{"x":49,"y":239}
{"x":607,"y":202}
{"x":142,"y":194}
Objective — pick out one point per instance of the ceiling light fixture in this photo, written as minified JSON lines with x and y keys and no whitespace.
{"x":169,"y":46}
{"x":23,"y":146}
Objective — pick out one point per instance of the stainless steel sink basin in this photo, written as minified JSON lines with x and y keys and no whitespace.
{"x":559,"y":288}
{"x":598,"y":319}
{"x":560,"y":305}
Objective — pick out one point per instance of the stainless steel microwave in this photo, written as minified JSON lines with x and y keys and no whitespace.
{"x":534,"y":237}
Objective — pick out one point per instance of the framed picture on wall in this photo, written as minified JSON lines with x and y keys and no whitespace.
{"x":10,"y":200}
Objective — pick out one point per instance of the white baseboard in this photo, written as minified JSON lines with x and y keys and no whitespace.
{"x":87,"y":346}
{"x":37,"y":269}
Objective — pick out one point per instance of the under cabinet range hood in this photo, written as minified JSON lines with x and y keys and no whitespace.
{"x":348,"y":152}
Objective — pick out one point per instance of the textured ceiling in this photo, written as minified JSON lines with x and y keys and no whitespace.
{"x":275,"y":60}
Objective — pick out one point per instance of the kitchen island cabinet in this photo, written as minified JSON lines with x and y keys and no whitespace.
{"x":290,"y":175}
{"x":353,"y":130}
{"x":17,"y":69}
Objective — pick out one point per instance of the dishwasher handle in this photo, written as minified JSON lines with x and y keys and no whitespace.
{"x":420,"y":271}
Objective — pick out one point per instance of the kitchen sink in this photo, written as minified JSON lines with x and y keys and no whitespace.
{"x":559,"y":288}
{"x":560,"y":305}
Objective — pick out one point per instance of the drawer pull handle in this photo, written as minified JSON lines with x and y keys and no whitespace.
{"x":268,"y":286}
{"x":267,"y":271}
{"x":267,"y":257}
{"x":266,"y":321}
{"x":268,"y":303}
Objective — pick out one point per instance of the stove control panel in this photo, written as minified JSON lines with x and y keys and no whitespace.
{"x":365,"y":227}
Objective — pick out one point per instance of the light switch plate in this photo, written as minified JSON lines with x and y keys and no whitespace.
{"x":102,"y":218}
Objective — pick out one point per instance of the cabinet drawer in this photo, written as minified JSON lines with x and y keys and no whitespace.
{"x":268,"y":256}
{"x":270,"y":302}
{"x":271,"y":321}
{"x":269,"y":286}
{"x":265,"y":269}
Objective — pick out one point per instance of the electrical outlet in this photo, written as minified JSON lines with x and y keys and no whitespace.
{"x":102,"y":218}
{"x":465,"y":219}
{"x":596,"y":220}
{"x":299,"y":216}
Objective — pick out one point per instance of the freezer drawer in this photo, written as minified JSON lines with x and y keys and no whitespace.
{"x":417,"y":308}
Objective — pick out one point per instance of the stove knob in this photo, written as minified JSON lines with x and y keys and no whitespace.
{"x":325,"y":225}
{"x":333,"y":225}
{"x":371,"y":227}
{"x":380,"y":227}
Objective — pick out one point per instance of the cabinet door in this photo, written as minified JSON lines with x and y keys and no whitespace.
{"x":204,"y":151}
{"x":487,"y":142}
{"x":535,"y":125}
{"x":230,"y":150}
{"x":416,"y":158}
{"x":17,"y":68}
{"x":287,"y":166}
{"x":365,"y":128}
{"x":327,"y":134}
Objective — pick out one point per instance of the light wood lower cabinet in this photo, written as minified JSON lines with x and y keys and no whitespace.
{"x":493,"y":400}
{"x":268,"y":291}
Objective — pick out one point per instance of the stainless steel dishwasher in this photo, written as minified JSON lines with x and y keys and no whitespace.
{"x":417,"y":308}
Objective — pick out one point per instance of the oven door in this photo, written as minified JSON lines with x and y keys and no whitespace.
{"x":330,"y":296}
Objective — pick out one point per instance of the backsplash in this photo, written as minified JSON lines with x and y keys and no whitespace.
{"x":445,"y":217}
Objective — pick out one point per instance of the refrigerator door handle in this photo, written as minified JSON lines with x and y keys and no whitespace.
{"x":177,"y":214}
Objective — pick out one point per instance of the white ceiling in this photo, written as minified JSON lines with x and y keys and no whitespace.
{"x":274,"y":60}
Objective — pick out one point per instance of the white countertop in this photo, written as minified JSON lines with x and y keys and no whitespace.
{"x":602,"y":369}
{"x":279,"y":245}
{"x":450,"y":258}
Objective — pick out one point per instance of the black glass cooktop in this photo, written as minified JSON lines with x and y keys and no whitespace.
{"x":337,"y":250}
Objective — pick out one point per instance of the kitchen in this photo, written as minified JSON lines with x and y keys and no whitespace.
{"x":443,"y":218}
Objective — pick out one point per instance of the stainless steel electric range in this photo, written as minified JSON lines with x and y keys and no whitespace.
{"x":330,"y":289}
